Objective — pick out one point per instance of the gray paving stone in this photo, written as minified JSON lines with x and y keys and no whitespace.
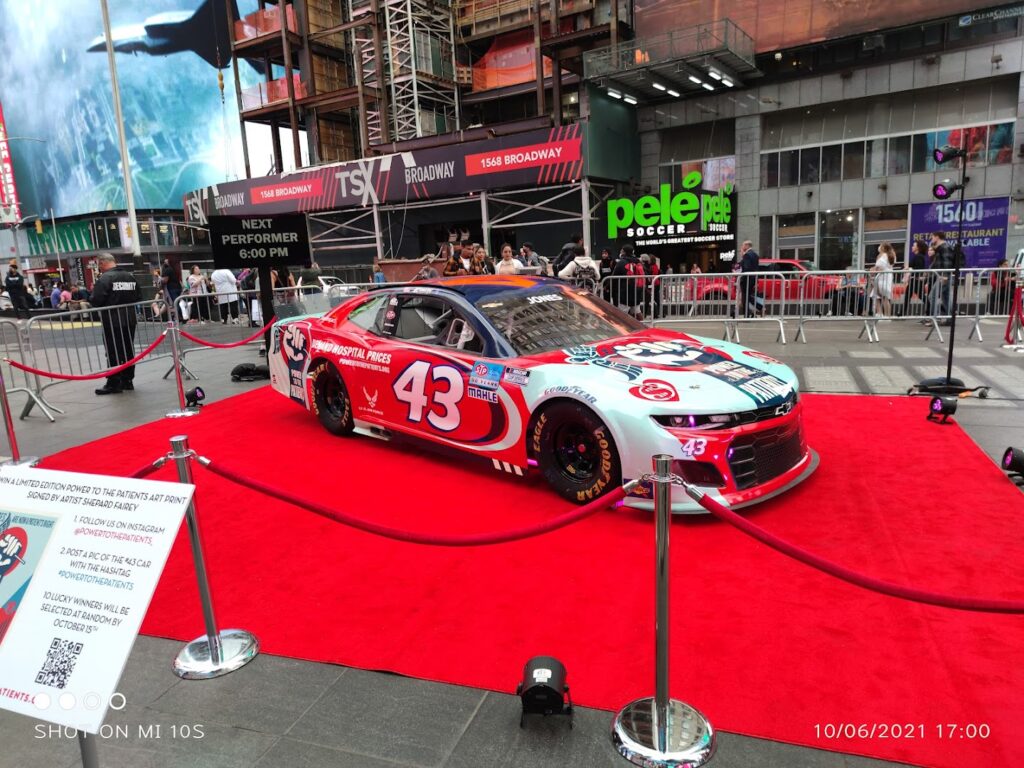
{"x":389,"y":717}
{"x":495,"y":739}
{"x":29,"y":743}
{"x":269,"y":694}
{"x":874,"y":352}
{"x":828,"y":378}
{"x":918,"y":353}
{"x":299,"y":754}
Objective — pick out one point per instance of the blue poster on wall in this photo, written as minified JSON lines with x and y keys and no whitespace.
{"x":985,"y":223}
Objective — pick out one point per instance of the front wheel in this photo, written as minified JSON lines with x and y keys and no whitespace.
{"x":576,"y":452}
{"x":331,"y":402}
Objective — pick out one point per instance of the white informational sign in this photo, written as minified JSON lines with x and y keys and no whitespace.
{"x":80,"y":556}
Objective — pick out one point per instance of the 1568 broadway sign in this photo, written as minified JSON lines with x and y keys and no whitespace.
{"x":688,"y":216}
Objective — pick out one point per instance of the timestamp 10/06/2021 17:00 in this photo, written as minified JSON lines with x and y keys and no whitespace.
{"x":948,"y":731}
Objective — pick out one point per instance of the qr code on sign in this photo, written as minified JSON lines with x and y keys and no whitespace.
{"x":60,"y":663}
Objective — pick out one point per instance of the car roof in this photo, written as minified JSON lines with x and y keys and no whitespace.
{"x":476,"y":287}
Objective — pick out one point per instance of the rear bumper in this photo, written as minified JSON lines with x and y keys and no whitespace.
{"x":683,"y":504}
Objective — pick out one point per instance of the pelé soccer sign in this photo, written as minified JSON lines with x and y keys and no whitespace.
{"x":690,"y":216}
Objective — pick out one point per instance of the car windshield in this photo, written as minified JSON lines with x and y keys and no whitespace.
{"x":549,"y":317}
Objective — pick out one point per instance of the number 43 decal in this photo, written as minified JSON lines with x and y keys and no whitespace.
{"x":442,"y":406}
{"x":694,"y":447}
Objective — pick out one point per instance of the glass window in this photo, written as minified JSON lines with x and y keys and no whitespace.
{"x":832,"y":162}
{"x":812,"y":128}
{"x":164,"y":232}
{"x":899,"y":155}
{"x":877,"y":117}
{"x":837,"y":240}
{"x":925,"y":106}
{"x":975,"y":142}
{"x":789,"y":167}
{"x":810,"y":162}
{"x":99,"y":226}
{"x":921,"y":153}
{"x":1000,"y":144}
{"x":853,"y":160}
{"x":666,"y":176}
{"x":770,"y":170}
{"x":367,"y":314}
{"x":568,"y":319}
{"x":874,"y":159}
{"x":854,"y":122}
{"x":834,"y":123}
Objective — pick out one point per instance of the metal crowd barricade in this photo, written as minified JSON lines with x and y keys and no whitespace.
{"x":15,"y":345}
{"x":728,"y":298}
{"x":71,"y":342}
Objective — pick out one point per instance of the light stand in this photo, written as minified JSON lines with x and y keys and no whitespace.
{"x":948,"y":385}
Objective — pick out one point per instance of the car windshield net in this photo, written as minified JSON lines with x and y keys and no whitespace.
{"x":549,"y":317}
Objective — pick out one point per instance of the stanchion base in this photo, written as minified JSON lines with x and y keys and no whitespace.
{"x":24,"y":461}
{"x":237,"y":648}
{"x":183,"y":414}
{"x":690,"y":740}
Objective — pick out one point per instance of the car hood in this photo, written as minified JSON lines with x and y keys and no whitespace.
{"x":666,"y":369}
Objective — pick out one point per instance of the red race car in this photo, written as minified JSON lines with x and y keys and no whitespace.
{"x":526,"y":370}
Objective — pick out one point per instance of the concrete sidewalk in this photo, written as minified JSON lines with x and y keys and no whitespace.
{"x":285,"y":712}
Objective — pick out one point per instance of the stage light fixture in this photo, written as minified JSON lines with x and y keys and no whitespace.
{"x":194,"y":397}
{"x":714,"y":75}
{"x":943,"y":407}
{"x":543,"y":689}
{"x":1013,"y":461}
{"x":708,"y":86}
{"x":659,"y":86}
{"x":614,"y":94}
{"x":945,"y":189}
{"x":947,"y":153}
{"x":629,"y":100}
{"x":727,"y":82}
{"x":674,"y":94}
{"x":696,"y":80}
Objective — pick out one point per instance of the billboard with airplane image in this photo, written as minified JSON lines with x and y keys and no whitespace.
{"x":183,"y":133}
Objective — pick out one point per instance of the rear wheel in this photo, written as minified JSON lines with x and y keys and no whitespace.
{"x":576,"y":452}
{"x":331,"y":402}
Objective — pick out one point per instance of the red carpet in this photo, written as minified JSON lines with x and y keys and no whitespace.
{"x":764,"y":646}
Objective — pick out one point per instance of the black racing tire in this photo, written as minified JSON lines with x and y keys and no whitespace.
{"x":331,"y":402}
{"x":575,"y":452}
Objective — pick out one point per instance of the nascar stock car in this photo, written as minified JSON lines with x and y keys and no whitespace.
{"x":527,"y":371}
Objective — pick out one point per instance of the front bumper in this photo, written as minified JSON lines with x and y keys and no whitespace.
{"x":682,"y":504}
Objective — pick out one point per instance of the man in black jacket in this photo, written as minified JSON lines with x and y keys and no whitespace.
{"x":114,"y":288}
{"x":14,"y":284}
{"x":567,"y":254}
{"x":941,"y":284}
{"x":749,"y":262}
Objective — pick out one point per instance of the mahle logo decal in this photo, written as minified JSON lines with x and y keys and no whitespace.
{"x":668,"y":214}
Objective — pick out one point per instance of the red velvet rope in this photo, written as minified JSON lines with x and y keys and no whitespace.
{"x":205,"y":343}
{"x":722,"y":512}
{"x":1016,"y":313}
{"x":437,"y":540}
{"x":86,"y":376}
{"x":145,"y":471}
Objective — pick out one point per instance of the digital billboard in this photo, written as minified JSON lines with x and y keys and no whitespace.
{"x":778,"y":24}
{"x":58,"y":103}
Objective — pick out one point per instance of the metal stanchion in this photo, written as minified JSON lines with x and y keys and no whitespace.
{"x":217,"y":652}
{"x":5,"y":406}
{"x":661,"y":731}
{"x":172,"y":331}
{"x":87,"y":746}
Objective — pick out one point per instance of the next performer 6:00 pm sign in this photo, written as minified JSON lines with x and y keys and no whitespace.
{"x":254,"y":241}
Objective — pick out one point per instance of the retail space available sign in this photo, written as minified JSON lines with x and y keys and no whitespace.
{"x":692,"y":216}
{"x":10,"y":209}
{"x":253,"y":241}
{"x":532,"y":158}
{"x":985,"y":227}
{"x":80,"y":556}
